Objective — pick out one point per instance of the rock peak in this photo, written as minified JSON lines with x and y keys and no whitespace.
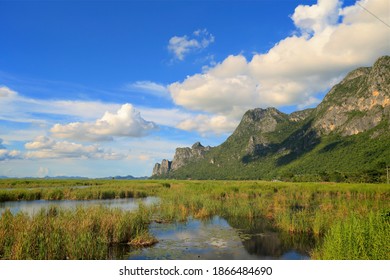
{"x":197,"y":145}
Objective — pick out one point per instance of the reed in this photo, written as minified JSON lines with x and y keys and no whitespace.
{"x":84,"y":233}
{"x":357,"y":238}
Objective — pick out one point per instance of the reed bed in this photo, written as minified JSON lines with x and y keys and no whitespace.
{"x":83,"y":233}
{"x":74,"y":190}
{"x":325,"y":211}
{"x":349,"y":221}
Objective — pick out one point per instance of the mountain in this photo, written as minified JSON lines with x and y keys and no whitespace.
{"x":128,"y":177}
{"x":345,"y":138}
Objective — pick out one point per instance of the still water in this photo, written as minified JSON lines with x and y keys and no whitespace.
{"x":220,"y":239}
{"x":34,"y":206}
{"x":216,"y":238}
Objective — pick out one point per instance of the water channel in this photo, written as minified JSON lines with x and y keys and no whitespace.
{"x":34,"y":206}
{"x":216,"y":238}
{"x":220,"y":239}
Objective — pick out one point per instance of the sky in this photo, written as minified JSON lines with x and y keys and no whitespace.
{"x":105,"y":88}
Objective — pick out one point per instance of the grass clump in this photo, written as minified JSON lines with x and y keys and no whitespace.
{"x":357,"y":238}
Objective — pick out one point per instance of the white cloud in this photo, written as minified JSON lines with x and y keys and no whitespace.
{"x":18,"y":108}
{"x":47,"y":148}
{"x":167,"y":117}
{"x":126,"y":122}
{"x":8,"y":154}
{"x":332,"y":41}
{"x":317,"y":17}
{"x":205,"y":124}
{"x":150,"y":87}
{"x":182,"y":45}
{"x":43,"y":171}
{"x":6,"y":92}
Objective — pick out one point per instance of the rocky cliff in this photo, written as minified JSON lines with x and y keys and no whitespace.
{"x":358,"y":103}
{"x":182,"y":157}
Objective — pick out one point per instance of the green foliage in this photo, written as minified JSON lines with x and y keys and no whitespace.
{"x":357,"y":238}
{"x":357,"y":158}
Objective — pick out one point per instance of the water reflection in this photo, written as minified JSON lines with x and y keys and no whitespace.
{"x":220,"y":239}
{"x":34,"y":206}
{"x":260,"y":238}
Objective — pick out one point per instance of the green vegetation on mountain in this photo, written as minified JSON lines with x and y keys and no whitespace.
{"x":346,"y":138}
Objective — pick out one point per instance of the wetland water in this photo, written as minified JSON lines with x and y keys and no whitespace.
{"x":218,"y":239}
{"x":34,"y":206}
{"x":211,"y":239}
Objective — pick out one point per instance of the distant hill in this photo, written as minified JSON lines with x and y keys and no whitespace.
{"x":345,"y":138}
{"x":128,"y":177}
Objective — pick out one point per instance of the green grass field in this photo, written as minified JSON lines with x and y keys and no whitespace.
{"x":350,"y":221}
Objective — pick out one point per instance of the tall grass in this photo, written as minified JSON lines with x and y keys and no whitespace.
{"x":357,"y":238}
{"x":84,"y":233}
{"x":319,"y":210}
{"x":74,"y":190}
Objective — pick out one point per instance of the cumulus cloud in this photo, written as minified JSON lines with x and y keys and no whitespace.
{"x":182,"y":45}
{"x":205,"y":124}
{"x":47,"y":148}
{"x":125,"y":122}
{"x":329,"y":42}
{"x":317,"y":17}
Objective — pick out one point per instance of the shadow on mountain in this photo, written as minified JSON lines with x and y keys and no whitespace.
{"x":333,"y":146}
{"x":299,"y":143}
{"x":260,"y":151}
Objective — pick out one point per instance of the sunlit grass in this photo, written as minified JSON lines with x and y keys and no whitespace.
{"x":346,"y":218}
{"x":83,"y":233}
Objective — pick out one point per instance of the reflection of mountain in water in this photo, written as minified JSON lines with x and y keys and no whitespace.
{"x":261,"y":239}
{"x":218,"y":238}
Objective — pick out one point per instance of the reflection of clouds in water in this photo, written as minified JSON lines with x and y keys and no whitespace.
{"x":34,"y":206}
{"x":214,"y":239}
{"x":217,"y":242}
{"x":210,"y":239}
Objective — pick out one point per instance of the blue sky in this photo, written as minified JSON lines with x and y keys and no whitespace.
{"x":102,"y":88}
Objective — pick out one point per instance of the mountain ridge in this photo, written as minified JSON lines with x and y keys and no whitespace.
{"x":347,"y":134}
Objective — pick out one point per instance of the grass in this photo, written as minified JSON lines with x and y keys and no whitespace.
{"x":349,"y":221}
{"x":35,"y":189}
{"x":321,"y":210}
{"x":356,"y":238}
{"x":84,"y":233}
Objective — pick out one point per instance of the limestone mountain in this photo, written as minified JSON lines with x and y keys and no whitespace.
{"x":347,"y":137}
{"x":182,"y":157}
